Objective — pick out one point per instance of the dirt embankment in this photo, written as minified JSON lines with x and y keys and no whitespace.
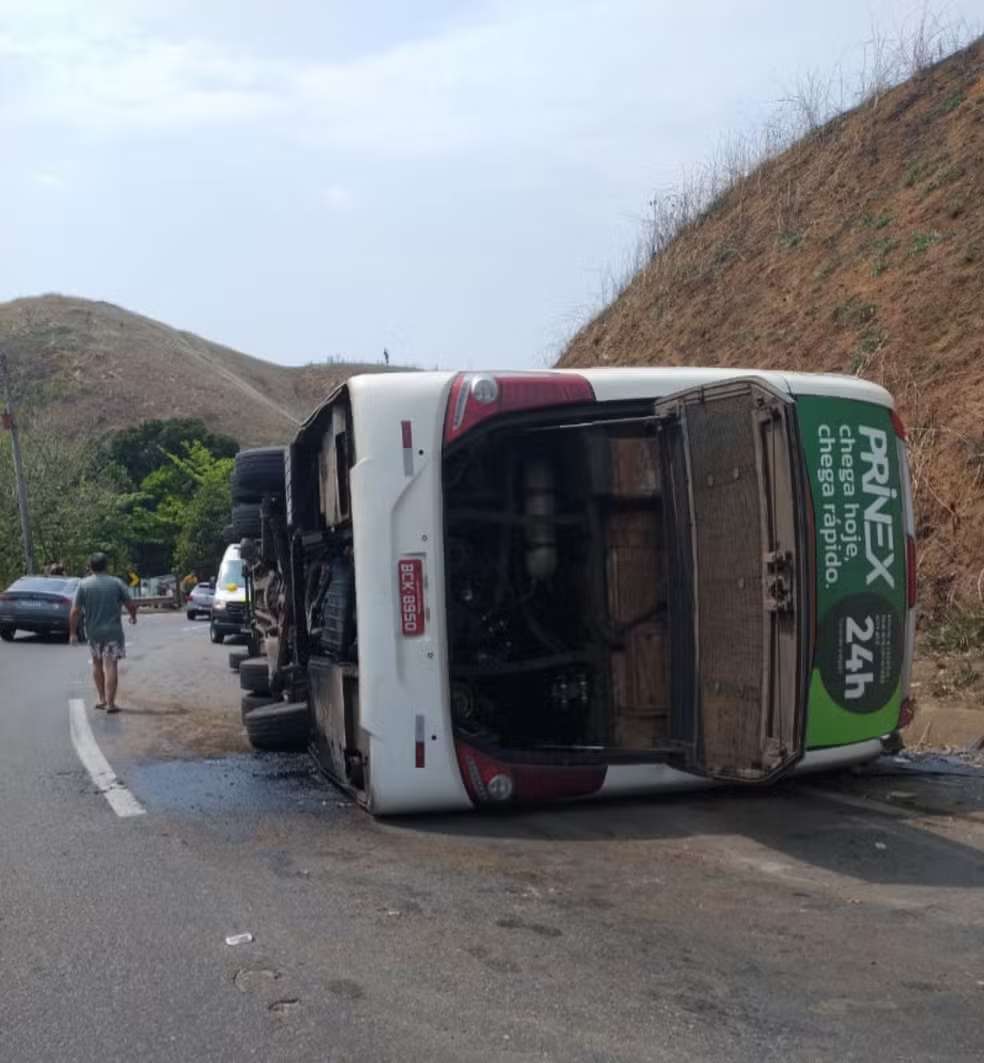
{"x":859,"y":250}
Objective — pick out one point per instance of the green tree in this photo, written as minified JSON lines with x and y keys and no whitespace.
{"x":144,"y":448}
{"x":77,"y":505}
{"x":81,"y":501}
{"x":200,"y":544}
{"x":162,"y":506}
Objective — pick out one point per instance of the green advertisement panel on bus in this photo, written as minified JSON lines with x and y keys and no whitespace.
{"x":852,"y":459}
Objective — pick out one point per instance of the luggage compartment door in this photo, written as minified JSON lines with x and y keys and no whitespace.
{"x":733,"y":463}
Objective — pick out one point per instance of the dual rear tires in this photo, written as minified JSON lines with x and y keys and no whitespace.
{"x":246,"y":522}
{"x":275,"y":726}
{"x":254,"y":675}
{"x":271,"y":724}
{"x":259,"y":474}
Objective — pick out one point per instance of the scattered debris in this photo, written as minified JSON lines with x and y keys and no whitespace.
{"x":283,"y":1008}
{"x":249,"y":979}
{"x":880,"y":845}
{"x":240,"y":939}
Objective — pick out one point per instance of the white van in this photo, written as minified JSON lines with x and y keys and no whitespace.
{"x":229,"y":614}
{"x":489,"y":588}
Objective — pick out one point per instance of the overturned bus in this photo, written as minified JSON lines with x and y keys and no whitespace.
{"x":490,"y":588}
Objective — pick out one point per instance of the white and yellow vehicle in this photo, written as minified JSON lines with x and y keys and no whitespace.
{"x":228,"y":610}
{"x":496,"y":588}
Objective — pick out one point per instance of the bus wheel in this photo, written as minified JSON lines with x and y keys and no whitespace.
{"x":279,"y":727}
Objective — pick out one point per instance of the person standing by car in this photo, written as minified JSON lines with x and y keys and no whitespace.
{"x":100,"y":598}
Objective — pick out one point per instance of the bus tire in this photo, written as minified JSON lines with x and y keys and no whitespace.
{"x":245,"y":521}
{"x":249,"y":702}
{"x":254,"y":675}
{"x":279,"y":727}
{"x":258,"y":472}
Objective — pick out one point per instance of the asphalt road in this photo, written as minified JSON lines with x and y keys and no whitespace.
{"x":843,"y":919}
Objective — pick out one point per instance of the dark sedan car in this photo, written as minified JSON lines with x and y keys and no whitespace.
{"x":38,"y":604}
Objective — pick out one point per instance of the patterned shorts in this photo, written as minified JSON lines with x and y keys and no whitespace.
{"x":113,"y":651}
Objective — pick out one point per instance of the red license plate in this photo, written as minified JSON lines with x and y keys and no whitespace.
{"x":410,"y":573}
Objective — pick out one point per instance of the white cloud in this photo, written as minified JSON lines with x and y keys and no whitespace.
{"x":123,"y":78}
{"x":474,"y":84}
{"x":546,"y":77}
{"x":509,"y":150}
{"x":337,"y":197}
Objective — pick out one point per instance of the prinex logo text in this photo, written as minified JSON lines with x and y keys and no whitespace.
{"x":879,"y":531}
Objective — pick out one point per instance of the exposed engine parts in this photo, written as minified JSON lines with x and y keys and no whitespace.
{"x":553,"y":579}
{"x":269,"y":600}
{"x":519,"y":541}
{"x":301,"y":584}
{"x":556,"y":588}
{"x":541,"y":505}
{"x":333,"y":614}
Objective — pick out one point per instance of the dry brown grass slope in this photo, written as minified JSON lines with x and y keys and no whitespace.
{"x":95,"y":367}
{"x":858,"y":250}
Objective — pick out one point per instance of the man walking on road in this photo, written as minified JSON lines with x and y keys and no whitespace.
{"x":100,"y":598}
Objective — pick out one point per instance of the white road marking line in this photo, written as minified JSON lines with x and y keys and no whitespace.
{"x":122,"y":802}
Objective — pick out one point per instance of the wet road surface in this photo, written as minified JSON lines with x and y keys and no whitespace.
{"x":841,"y":918}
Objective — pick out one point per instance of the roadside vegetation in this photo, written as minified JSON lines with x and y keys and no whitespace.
{"x":155,"y":498}
{"x":845,"y":237}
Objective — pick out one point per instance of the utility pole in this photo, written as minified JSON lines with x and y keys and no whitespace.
{"x":11,"y":425}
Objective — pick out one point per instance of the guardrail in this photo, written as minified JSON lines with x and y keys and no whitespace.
{"x":166,"y":601}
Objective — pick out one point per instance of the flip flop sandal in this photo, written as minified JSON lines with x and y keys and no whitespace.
{"x":99,"y":705}
{"x":112,"y":708}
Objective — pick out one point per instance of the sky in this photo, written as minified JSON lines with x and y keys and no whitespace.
{"x":455,"y":182}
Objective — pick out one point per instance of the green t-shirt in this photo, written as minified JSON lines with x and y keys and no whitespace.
{"x":100,"y":598}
